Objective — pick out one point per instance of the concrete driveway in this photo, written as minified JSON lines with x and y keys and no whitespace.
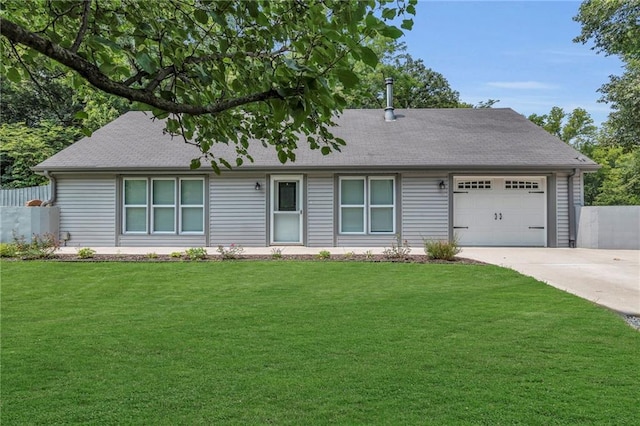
{"x":609,"y":278}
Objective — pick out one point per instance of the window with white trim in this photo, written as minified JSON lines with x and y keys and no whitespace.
{"x":163,"y":206}
{"x":367,"y":205}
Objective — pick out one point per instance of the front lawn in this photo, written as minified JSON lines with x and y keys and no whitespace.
{"x":307,"y":343}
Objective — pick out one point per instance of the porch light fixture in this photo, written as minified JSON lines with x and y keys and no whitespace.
{"x":258,"y":186}
{"x":441,"y":185}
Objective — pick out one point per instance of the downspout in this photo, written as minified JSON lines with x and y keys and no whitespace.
{"x":52,"y":198}
{"x":572,"y":210}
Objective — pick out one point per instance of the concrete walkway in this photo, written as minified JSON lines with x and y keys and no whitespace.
{"x":609,"y":278}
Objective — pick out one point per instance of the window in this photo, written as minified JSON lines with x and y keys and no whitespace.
{"x":474,"y":184}
{"x":163,"y":206}
{"x":519,"y":184}
{"x":367,"y":205}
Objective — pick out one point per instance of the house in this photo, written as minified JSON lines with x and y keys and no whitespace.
{"x":488,"y":177}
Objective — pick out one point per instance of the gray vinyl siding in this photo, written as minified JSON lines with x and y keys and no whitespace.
{"x":425,"y":209}
{"x":88,"y":210}
{"x":562,"y":203}
{"x":237,"y":212}
{"x":320,"y":210}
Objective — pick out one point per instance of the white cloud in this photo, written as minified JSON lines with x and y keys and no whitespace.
{"x":521,"y":85}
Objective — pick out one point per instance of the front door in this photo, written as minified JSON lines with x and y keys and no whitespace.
{"x":286,"y":209}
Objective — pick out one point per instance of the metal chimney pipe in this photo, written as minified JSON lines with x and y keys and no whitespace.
{"x":388,"y":111}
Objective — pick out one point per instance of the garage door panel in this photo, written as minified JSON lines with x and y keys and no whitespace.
{"x":504,"y":212}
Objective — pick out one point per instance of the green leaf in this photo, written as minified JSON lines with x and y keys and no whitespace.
{"x":14,"y":75}
{"x":282,"y":157}
{"x":369,"y":57}
{"x":81,"y":115}
{"x":347,"y":77}
{"x":86,"y":132}
{"x":389,"y":13}
{"x":325,"y":150}
{"x":145,"y":62}
{"x":195,"y":164}
{"x":407,"y":24}
{"x":391,"y":32}
{"x":201,"y":16}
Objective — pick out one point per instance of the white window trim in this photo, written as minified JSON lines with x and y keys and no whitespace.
{"x":180,"y":180}
{"x":150,"y":206}
{"x":367,"y":206}
{"x":126,"y":206}
{"x":385,"y":206}
{"x":161,"y":206}
{"x":363,"y":206}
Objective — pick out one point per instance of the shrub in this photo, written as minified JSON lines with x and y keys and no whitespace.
{"x":196,"y":253}
{"x":276,"y":253}
{"x":368,"y":255}
{"x":8,"y":250}
{"x":399,"y":249}
{"x":233,"y":252}
{"x":86,"y":253}
{"x":176,"y":255}
{"x":441,"y":249}
{"x":349,"y":255}
{"x":152,"y":255}
{"x":41,"y":246}
{"x":324,"y":255}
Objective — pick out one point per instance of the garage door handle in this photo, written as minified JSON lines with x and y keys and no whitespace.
{"x":460,"y":227}
{"x":536,"y":227}
{"x":495,"y":216}
{"x":536,"y":192}
{"x":500,"y":216}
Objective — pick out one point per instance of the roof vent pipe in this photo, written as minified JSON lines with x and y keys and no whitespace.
{"x":388,"y":111}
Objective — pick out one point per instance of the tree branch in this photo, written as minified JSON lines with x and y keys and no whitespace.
{"x":83,"y":28}
{"x":94,"y":76}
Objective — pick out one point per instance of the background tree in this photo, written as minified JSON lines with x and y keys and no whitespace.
{"x":575,"y":128}
{"x":415,"y":85}
{"x":614,"y":28}
{"x":22,"y":147}
{"x":38,"y":120}
{"x":265,"y":70}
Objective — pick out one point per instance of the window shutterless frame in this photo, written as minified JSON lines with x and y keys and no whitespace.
{"x":367,"y":205}
{"x":382,"y":205}
{"x":163,"y":205}
{"x":352,"y":216}
{"x":134,"y":206}
{"x":191,"y":213}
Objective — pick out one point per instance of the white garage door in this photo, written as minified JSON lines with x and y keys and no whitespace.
{"x":500,"y":211}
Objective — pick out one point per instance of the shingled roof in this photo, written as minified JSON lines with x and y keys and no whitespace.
{"x":469,"y":139}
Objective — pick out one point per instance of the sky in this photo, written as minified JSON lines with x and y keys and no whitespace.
{"x":519,"y":52}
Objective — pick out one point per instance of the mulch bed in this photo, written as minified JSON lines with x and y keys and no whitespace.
{"x":216,"y":258}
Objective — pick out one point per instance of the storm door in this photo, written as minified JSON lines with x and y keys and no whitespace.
{"x":286,"y":209}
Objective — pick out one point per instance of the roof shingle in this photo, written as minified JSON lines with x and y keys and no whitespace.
{"x":419,"y":138}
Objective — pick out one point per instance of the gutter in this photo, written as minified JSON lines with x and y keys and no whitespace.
{"x":52,"y":199}
{"x":572,"y":210}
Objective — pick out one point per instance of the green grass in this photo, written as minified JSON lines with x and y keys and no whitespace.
{"x":307,"y":343}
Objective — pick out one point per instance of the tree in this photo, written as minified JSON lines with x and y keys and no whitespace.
{"x":23,"y":147}
{"x":614,"y":27}
{"x":415,"y":85}
{"x":577,"y":129}
{"x":219,"y":71}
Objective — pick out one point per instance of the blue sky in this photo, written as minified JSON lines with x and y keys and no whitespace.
{"x":520,"y":52}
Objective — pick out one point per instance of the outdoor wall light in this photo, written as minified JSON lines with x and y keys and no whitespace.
{"x":66,"y":236}
{"x":258,"y":186}
{"x":441,"y":185}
